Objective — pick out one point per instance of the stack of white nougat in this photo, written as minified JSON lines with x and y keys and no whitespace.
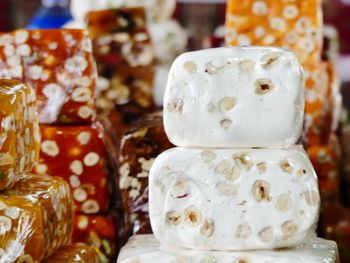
{"x":237,"y":181}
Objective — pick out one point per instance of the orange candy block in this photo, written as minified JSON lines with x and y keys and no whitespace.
{"x":322,"y":103}
{"x":59,"y":65}
{"x":19,"y":130}
{"x":35,"y":218}
{"x":75,"y":253}
{"x":125,"y":59}
{"x":78,"y":154}
{"x":295,"y":25}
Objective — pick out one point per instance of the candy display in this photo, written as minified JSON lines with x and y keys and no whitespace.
{"x":125,"y":59}
{"x":234,"y":97}
{"x":79,"y":155}
{"x":139,"y":146}
{"x":60,"y":67}
{"x":36,"y":218}
{"x":75,"y":253}
{"x":146,"y":249}
{"x":186,"y":210}
{"x":98,"y":231}
{"x":20,"y":135}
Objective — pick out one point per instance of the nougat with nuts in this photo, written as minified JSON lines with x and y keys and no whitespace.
{"x":19,"y":130}
{"x":80,"y":155}
{"x":36,"y":218}
{"x":234,"y":97}
{"x":75,"y":253}
{"x":147,"y":249}
{"x":214,"y":199}
{"x":98,"y":231}
{"x":58,"y":64}
{"x":139,"y":147}
{"x":295,"y":25}
{"x":125,"y":60}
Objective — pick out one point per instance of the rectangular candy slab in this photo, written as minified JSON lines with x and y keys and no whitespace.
{"x":36,"y":218}
{"x":295,"y":25}
{"x":19,"y":131}
{"x":146,"y":249}
{"x":233,"y":199}
{"x":234,"y":97}
{"x":98,"y":231}
{"x":125,"y":59}
{"x":145,"y":140}
{"x":75,"y":253}
{"x":79,"y":155}
{"x":59,"y":65}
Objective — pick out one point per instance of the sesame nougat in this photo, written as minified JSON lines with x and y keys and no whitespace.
{"x":146,"y":249}
{"x":234,"y":97}
{"x":19,"y":131}
{"x":233,"y":199}
{"x":36,"y":218}
{"x":58,"y":64}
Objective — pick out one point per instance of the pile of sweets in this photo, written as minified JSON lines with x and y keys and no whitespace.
{"x":36,"y":211}
{"x":60,"y":66}
{"x":236,"y":181}
{"x":168,"y":37}
{"x":297,"y":25}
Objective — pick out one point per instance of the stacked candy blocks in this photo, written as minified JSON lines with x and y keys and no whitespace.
{"x":36,"y":212}
{"x":236,"y":181}
{"x":60,"y":66}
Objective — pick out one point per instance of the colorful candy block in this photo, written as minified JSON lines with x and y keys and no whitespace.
{"x":19,"y":130}
{"x":190,"y":190}
{"x":295,"y":25}
{"x":79,"y":155}
{"x":125,"y":59}
{"x":322,"y":103}
{"x":98,"y":231}
{"x":75,"y":253}
{"x":36,"y":218}
{"x":146,"y":249}
{"x":59,"y":65}
{"x":234,"y":97}
{"x":139,"y":146}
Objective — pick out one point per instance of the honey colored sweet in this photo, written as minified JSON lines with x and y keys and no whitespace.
{"x":35,"y":218}
{"x":20,"y":134}
{"x":75,"y":253}
{"x":125,"y":60}
{"x":58,"y":64}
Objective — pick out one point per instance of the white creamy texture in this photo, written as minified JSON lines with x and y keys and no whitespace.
{"x":159,"y":83}
{"x":169,"y":40}
{"x":237,"y":199}
{"x":234,"y":97}
{"x":146,"y":249}
{"x":156,"y":10}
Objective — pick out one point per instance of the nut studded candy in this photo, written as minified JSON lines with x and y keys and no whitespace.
{"x":20,"y":135}
{"x":146,"y":249}
{"x":98,"y":231}
{"x":125,"y":59}
{"x":234,"y":97}
{"x":295,"y":25}
{"x":35,"y":218}
{"x":75,"y":253}
{"x":79,"y":155}
{"x":187,"y":210}
{"x":139,"y":147}
{"x":59,"y":65}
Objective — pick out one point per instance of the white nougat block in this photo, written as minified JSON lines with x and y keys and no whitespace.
{"x":234,"y":97}
{"x":146,"y":249}
{"x":233,"y":199}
